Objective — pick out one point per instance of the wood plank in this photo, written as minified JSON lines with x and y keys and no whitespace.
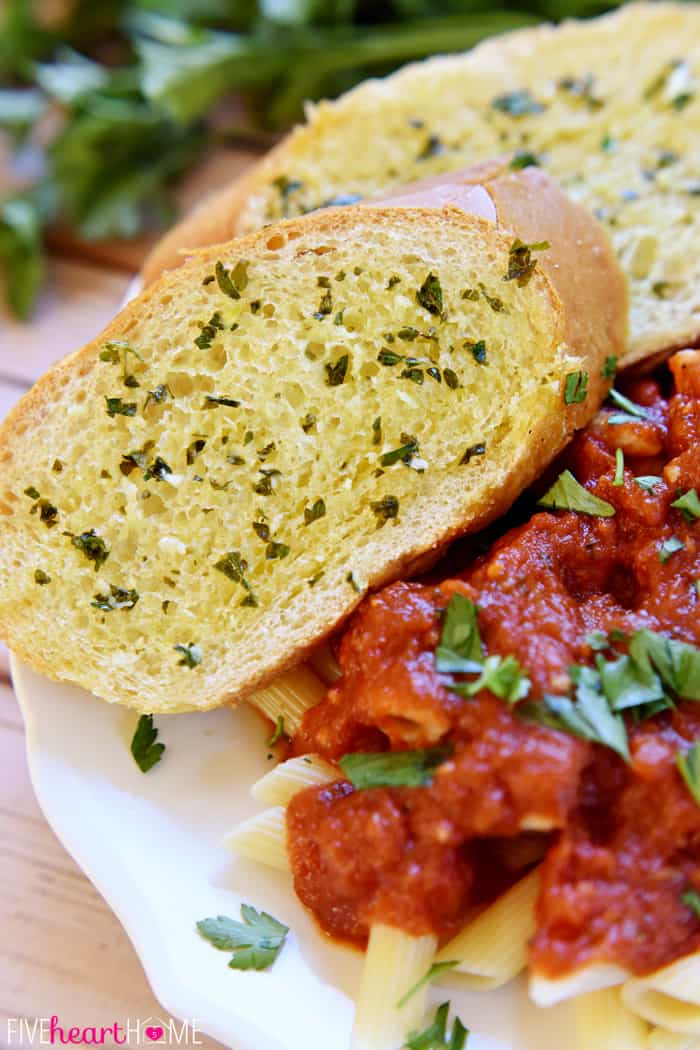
{"x":62,"y":950}
{"x":78,"y":301}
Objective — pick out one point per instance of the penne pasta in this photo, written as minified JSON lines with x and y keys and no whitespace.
{"x":289,"y":696}
{"x":545,"y":991}
{"x":661,"y":1039}
{"x":324,"y":663}
{"x":603,"y":1023}
{"x":278,"y":786}
{"x":262,"y":838}
{"x":670,"y":997}
{"x":394,"y":963}
{"x":492,"y":949}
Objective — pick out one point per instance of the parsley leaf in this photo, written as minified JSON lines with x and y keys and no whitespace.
{"x":692,"y":900}
{"x":314,"y":512}
{"x":502,"y":675}
{"x":191,"y":655}
{"x":619,"y":478}
{"x":145,"y":750}
{"x":256,"y":942}
{"x":21,"y":253}
{"x":517,"y":104}
{"x":689,"y":505}
{"x":118,"y":598}
{"x":335,"y":373}
{"x":117,"y":407}
{"x":629,"y":680}
{"x":568,"y":494}
{"x":429,"y":295}
{"x":460,"y":649}
{"x":630,"y":408}
{"x":670,"y":547}
{"x":93,"y":547}
{"x":609,"y":369}
{"x":393,"y":769}
{"x":648,"y":482}
{"x":435,"y":970}
{"x":384,"y":509}
{"x":589,"y":717}
{"x":278,"y":732}
{"x":521,"y":265}
{"x":688,"y":763}
{"x":576,"y":388}
{"x":678,"y":663}
{"x":435,"y":1037}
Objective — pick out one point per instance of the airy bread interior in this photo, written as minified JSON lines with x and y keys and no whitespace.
{"x":192,"y":500}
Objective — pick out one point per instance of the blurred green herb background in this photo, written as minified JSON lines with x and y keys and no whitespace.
{"x":107,"y":103}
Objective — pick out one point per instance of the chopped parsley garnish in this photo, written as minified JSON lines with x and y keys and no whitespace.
{"x":118,"y":598}
{"x":93,"y":547}
{"x":157,"y":396}
{"x":433,"y":146}
{"x":460,"y":651}
{"x":117,"y":407}
{"x":146,"y":752}
{"x":261,"y":530}
{"x":32,"y":492}
{"x":630,"y":408}
{"x":435,"y":970}
{"x":648,"y":482}
{"x":267,"y":450}
{"x":191,"y":655}
{"x":692,"y":900}
{"x":308,"y":422}
{"x":517,"y":104}
{"x":117,"y":350}
{"x":523,"y":159}
{"x":460,"y":647}
{"x":451,"y":379}
{"x":208,"y":333}
{"x":609,"y":369}
{"x":393,"y":280}
{"x":231,"y":282}
{"x":235,"y":568}
{"x":46,"y":511}
{"x":325,"y":306}
{"x":256,"y":942}
{"x":212,"y":401}
{"x":435,"y":1036}
{"x":576,"y":388}
{"x":598,"y":641}
{"x":265,"y":486}
{"x":581,"y":88}
{"x":669,"y":547}
{"x":429,"y":295}
{"x":473,"y":450}
{"x":384,"y":509}
{"x":157,"y":470}
{"x":335,"y":373}
{"x":521,"y":265}
{"x":568,"y":494}
{"x":41,"y":577}
{"x":589,"y":716}
{"x":689,"y":506}
{"x":496,"y":304}
{"x":194,"y":449}
{"x":471,"y":293}
{"x":478,"y":351}
{"x":402,"y":454}
{"x":619,"y":478}
{"x":688,"y":763}
{"x":377,"y":431}
{"x":350,"y":578}
{"x":276,"y":550}
{"x":394,"y":768}
{"x":278,"y":732}
{"x":315,"y":511}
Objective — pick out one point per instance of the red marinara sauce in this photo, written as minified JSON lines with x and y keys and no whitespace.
{"x":622,"y":841}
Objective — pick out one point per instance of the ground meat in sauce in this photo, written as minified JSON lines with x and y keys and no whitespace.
{"x":624,"y":841}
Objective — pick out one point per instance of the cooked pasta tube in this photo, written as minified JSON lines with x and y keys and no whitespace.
{"x":661,"y":1039}
{"x":289,"y":696}
{"x":492,"y":949}
{"x":395,"y":962}
{"x":324,"y":663}
{"x":262,"y":838}
{"x":278,"y":786}
{"x":545,"y":991}
{"x":603,"y":1023}
{"x":669,"y":997}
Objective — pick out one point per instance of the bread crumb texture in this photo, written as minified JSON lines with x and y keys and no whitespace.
{"x":192,"y":500}
{"x":610,"y":107}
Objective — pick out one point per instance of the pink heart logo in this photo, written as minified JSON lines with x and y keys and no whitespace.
{"x":154,"y":1034}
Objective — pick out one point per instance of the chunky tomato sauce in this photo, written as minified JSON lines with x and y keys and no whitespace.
{"x":622,"y":841}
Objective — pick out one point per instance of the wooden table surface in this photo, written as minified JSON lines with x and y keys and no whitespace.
{"x":62,"y":950}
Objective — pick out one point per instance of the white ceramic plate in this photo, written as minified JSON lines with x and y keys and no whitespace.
{"x":152,"y":846}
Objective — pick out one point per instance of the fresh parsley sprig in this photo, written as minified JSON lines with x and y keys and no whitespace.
{"x":256,"y":942}
{"x":435,"y":1036}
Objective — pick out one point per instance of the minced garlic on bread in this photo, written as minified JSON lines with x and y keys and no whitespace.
{"x":610,"y":107}
{"x":206,"y":490}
